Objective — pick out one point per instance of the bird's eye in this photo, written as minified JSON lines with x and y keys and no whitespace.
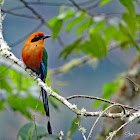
{"x":36,"y":38}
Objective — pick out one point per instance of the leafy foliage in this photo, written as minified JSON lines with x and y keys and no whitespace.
{"x":17,"y":86}
{"x":28,"y":132}
{"x":99,"y":32}
{"x":129,"y":5}
{"x":57,"y":22}
{"x":22,"y":104}
{"x":84,"y":26}
{"x":68,"y":50}
{"x":103,"y":2}
{"x":95,"y":47}
{"x":78,"y":18}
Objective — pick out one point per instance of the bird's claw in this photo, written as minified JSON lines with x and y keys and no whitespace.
{"x":26,"y":68}
{"x":38,"y":76}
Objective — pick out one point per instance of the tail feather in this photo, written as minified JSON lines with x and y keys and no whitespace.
{"x":46,"y":107}
{"x":49,"y":128}
{"x":44,"y":96}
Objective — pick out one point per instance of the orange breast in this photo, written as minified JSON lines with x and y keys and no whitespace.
{"x":32,"y":55}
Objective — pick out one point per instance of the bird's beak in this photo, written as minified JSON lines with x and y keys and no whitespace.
{"x":47,"y":36}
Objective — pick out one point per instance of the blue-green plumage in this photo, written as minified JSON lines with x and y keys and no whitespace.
{"x":43,"y":73}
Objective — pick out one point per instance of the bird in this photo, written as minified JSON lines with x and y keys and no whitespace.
{"x":35,"y":57}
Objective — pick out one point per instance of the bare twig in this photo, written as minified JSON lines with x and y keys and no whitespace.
{"x":81,"y":9}
{"x":26,"y":35}
{"x":34,"y":116}
{"x":60,"y":3}
{"x":133,"y":82}
{"x":18,"y":14}
{"x":16,"y":8}
{"x":33,"y":11}
{"x":124,"y":112}
{"x":100,"y":99}
{"x":81,"y":128}
{"x":76,"y":5}
{"x":94,"y":5}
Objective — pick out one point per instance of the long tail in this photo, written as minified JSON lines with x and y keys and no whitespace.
{"x":46,"y":107}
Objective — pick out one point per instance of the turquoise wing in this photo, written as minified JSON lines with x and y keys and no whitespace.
{"x":45,"y":58}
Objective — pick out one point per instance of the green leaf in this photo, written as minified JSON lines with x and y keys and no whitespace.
{"x":22,"y":104}
{"x":2,"y":103}
{"x":78,"y":19}
{"x":66,"y":15}
{"x":103,"y":2}
{"x":126,"y":32}
{"x":97,"y":103}
{"x":16,"y":78}
{"x":84,"y":26}
{"x":4,"y":84}
{"x":28,"y":132}
{"x":138,"y":121}
{"x":57,"y":22}
{"x":2,"y":2}
{"x":109,"y":89}
{"x":95,"y":47}
{"x":109,"y":33}
{"x":72,"y":129}
{"x":105,"y":105}
{"x":57,"y":28}
{"x":62,"y":16}
{"x":129,"y":5}
{"x":68,"y":50}
{"x":52,"y":22}
{"x":138,"y":21}
{"x":99,"y":26}
{"x":138,"y":17}
{"x":130,"y":21}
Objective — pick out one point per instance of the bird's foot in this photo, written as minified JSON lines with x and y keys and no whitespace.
{"x":38,"y":76}
{"x":26,"y":68}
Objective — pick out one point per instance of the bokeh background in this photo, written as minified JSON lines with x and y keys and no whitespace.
{"x":80,"y":80}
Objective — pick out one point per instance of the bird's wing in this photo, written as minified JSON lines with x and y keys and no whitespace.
{"x":43,"y":65}
{"x":45,"y":58}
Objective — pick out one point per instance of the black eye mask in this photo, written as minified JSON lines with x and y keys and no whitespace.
{"x":37,"y":37}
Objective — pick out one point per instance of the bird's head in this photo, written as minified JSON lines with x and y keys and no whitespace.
{"x":37,"y":37}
